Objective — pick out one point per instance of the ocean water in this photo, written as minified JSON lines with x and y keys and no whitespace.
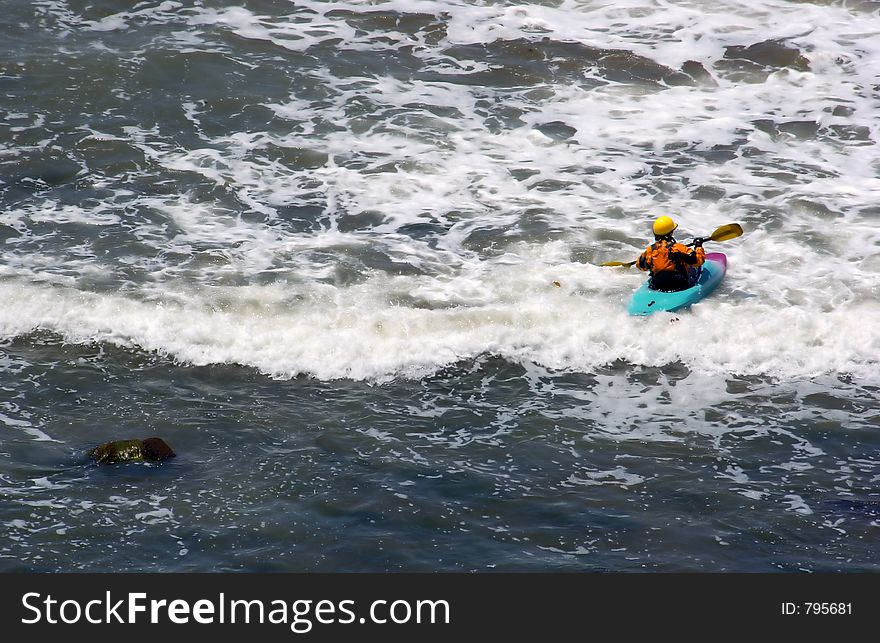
{"x":313,"y":246}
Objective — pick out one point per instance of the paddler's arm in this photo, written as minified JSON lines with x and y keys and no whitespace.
{"x":699,"y":253}
{"x":642,"y":261}
{"x":693,"y":256}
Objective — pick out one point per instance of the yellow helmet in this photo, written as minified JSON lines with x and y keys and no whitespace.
{"x":663,"y":226}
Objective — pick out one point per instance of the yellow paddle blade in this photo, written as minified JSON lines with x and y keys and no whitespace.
{"x":725,"y":232}
{"x":625,"y":264}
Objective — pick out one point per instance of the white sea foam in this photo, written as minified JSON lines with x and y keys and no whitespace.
{"x":514,"y":311}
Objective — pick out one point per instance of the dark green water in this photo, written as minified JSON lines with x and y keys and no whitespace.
{"x":483,"y":466}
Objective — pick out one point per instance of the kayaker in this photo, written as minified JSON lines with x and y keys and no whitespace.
{"x":673,"y":266}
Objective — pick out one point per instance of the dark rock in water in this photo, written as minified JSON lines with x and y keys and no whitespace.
{"x":149,"y":450}
{"x":679,"y":79}
{"x":627,"y":67}
{"x":770,"y":53}
{"x":529,"y":62}
{"x":156,"y":450}
{"x":754,"y":63}
{"x":699,"y":73}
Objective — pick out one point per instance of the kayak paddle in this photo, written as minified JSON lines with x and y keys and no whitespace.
{"x":722,"y":233}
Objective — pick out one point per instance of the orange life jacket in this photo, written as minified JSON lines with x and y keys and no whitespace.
{"x":667,"y":255}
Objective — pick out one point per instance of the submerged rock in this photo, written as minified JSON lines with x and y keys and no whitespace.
{"x":699,"y":73}
{"x":754,"y":63}
{"x":770,"y":53}
{"x":149,"y":450}
{"x":529,"y":62}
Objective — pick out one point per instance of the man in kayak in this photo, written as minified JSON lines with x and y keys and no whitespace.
{"x":672,"y":265}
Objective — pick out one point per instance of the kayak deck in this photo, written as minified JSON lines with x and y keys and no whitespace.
{"x":646,"y":301}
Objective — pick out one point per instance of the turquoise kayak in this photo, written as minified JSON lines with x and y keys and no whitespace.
{"x":646,"y":301}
